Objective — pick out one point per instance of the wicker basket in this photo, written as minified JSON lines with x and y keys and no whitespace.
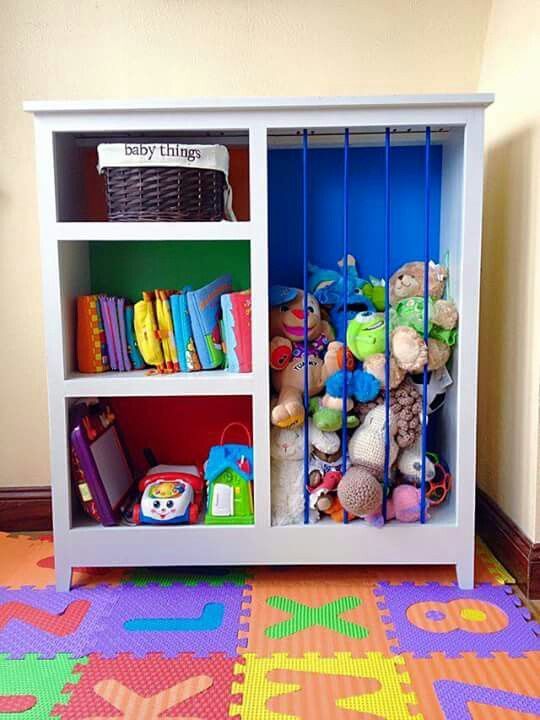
{"x":165,"y":181}
{"x":164,"y":193}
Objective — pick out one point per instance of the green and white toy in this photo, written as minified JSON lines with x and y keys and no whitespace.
{"x":365,"y":334}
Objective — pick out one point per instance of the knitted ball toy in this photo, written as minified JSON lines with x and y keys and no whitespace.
{"x":359,"y":491}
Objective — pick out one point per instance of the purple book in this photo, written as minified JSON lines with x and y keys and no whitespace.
{"x":105,"y":314}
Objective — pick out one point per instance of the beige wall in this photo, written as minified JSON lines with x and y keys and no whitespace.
{"x":510,"y":325}
{"x":64,"y":49}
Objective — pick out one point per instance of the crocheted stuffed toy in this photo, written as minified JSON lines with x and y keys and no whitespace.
{"x":406,"y":410}
{"x":359,"y":492}
{"x":367,"y":443}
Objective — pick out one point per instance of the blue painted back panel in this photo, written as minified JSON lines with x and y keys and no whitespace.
{"x":366,"y":239}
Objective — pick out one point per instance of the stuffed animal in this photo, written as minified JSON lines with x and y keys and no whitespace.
{"x":329,"y":288}
{"x":403,"y":505}
{"x":408,"y":281}
{"x":366,"y":334}
{"x":323,"y":492}
{"x":406,"y":408}
{"x":287,"y":353}
{"x":287,"y":470}
{"x":367,"y":443}
{"x":328,"y":410}
{"x":443,"y":317}
{"x":287,"y":476}
{"x":409,"y":464}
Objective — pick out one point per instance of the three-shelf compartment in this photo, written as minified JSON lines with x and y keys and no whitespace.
{"x":81,"y":251}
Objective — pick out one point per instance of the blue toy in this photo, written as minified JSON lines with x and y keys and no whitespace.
{"x":328,"y":411}
{"x":329,"y":288}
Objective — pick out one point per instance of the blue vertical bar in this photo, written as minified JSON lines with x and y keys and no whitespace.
{"x":344,"y":446}
{"x":306,"y":366}
{"x":427,"y":189}
{"x":386,"y":319}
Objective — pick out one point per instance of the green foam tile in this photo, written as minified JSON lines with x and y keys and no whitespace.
{"x":41,"y":681}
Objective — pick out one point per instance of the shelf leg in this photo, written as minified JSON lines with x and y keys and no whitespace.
{"x":63,"y":575}
{"x":465,"y":570}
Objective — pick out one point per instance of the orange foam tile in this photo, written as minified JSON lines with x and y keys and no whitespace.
{"x":302,"y":617}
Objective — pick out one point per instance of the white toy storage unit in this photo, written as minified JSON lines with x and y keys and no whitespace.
{"x":413,"y":180}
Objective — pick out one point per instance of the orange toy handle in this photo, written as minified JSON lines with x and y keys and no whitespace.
{"x":232,"y":424}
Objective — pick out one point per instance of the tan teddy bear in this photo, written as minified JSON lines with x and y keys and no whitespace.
{"x":408,"y":281}
{"x":287,"y":318}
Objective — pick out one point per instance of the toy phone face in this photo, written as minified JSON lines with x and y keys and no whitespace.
{"x":166,"y":501}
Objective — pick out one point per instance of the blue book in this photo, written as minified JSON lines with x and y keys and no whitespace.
{"x":205,"y":310}
{"x":185,"y":343}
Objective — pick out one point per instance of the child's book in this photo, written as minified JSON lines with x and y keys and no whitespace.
{"x":204,"y":308}
{"x":92,"y":354}
{"x":107,"y":324}
{"x":113,"y":314}
{"x":166,"y":331}
{"x":236,"y":309}
{"x":146,"y":332}
{"x":183,"y":332}
{"x":133,"y":349}
{"x":120,"y":304}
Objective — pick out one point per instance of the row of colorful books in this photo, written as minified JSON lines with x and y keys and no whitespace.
{"x":170,"y":330}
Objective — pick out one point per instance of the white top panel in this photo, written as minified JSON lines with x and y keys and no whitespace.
{"x":258,"y":103}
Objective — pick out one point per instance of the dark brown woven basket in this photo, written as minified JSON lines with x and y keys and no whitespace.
{"x":164,"y":193}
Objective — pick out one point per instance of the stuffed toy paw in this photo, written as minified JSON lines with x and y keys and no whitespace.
{"x":375,"y":365}
{"x":445,"y":314}
{"x":408,"y":349}
{"x":438,"y":354}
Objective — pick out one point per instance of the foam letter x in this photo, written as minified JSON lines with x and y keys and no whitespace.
{"x":304,"y":616}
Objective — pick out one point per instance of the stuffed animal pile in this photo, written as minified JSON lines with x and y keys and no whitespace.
{"x":355,"y":373}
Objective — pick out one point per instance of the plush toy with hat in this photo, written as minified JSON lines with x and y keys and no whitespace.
{"x":287,"y":322}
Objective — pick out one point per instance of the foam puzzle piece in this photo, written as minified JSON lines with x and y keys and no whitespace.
{"x":304,"y":616}
{"x":498,"y":572}
{"x":301,"y":617}
{"x":484,"y":620}
{"x":319,"y":688}
{"x":211,"y":618}
{"x":472,"y":688}
{"x":31,"y":687}
{"x":46,"y":622}
{"x":178,"y":605}
{"x":29,"y":560}
{"x":191,"y":577}
{"x":152,"y":687}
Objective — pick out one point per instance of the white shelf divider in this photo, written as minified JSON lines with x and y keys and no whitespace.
{"x":140,"y":231}
{"x":136,"y":383}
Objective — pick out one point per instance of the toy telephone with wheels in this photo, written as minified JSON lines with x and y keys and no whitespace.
{"x":171,"y":495}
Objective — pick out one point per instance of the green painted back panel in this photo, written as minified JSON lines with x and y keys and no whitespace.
{"x":127,"y":268}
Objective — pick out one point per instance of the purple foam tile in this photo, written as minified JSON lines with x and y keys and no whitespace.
{"x":489,"y":605}
{"x":46,"y":622}
{"x":173,"y":620}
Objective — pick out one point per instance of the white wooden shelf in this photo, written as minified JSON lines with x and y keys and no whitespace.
{"x":448,"y":538}
{"x":140,"y":231}
{"x":138,"y":383}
